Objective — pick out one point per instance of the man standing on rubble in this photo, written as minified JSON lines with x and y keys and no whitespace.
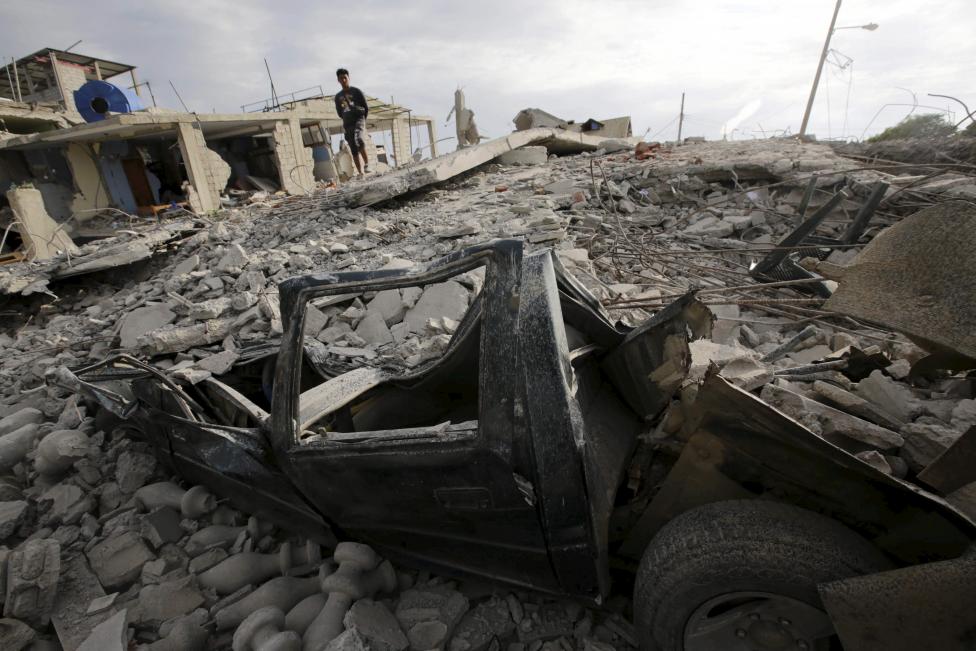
{"x":352,"y":108}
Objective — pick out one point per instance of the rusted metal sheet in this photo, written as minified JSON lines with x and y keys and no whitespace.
{"x":955,"y":467}
{"x":917,"y":277}
{"x":921,"y":607}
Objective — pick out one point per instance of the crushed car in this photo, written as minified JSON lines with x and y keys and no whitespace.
{"x":548,"y":447}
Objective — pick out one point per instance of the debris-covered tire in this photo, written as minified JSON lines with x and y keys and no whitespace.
{"x":745,"y":557}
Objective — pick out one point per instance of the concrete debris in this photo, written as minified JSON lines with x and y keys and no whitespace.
{"x":834,"y":425}
{"x":32,"y":581}
{"x":86,"y":509}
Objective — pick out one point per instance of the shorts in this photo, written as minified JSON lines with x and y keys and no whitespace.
{"x":355,"y":137}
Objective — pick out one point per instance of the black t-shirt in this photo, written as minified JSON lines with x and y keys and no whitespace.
{"x":351,"y":105}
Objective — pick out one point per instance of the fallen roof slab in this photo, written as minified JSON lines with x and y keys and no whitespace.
{"x":442,"y":168}
{"x":110,"y":253}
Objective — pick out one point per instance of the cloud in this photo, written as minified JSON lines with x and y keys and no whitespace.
{"x":574,"y":58}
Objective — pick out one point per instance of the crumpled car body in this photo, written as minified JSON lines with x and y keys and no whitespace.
{"x":513,"y":456}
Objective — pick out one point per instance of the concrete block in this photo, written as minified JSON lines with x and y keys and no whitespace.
{"x":533,"y":155}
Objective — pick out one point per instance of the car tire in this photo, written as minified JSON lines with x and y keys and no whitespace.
{"x":740,"y":551}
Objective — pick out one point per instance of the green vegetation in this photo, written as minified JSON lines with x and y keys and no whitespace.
{"x":930,"y":125}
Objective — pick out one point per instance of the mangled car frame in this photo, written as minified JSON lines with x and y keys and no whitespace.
{"x":530,"y":453}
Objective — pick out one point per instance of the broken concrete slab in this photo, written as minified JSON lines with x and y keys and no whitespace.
{"x":78,"y":591}
{"x":110,"y":635}
{"x":448,"y":299}
{"x":852,"y":404}
{"x":43,"y":237}
{"x":531,"y":155}
{"x":450,"y":165}
{"x":377,"y":625}
{"x":373,"y":329}
{"x":916,"y":279}
{"x":834,"y":425}
{"x":15,"y":635}
{"x":925,"y":440}
{"x":142,"y":320}
{"x":118,"y":561}
{"x":32,"y":581}
{"x":158,"y":603}
{"x":889,"y":396}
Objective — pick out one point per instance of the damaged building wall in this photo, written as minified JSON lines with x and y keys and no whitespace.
{"x":92,"y":194}
{"x":293,"y":159}
{"x":206,"y":170}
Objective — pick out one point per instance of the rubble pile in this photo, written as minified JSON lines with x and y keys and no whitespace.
{"x":104,"y":548}
{"x":98,"y":540}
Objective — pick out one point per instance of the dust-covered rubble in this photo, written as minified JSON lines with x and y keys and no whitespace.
{"x":105,"y":549}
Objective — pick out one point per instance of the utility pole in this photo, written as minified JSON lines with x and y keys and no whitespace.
{"x":681,"y":117}
{"x":274,"y":95}
{"x":816,"y":79}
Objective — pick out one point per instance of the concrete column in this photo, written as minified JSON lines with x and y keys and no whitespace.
{"x":401,"y":140}
{"x":432,"y":134}
{"x":292,"y":158}
{"x":193,"y":148}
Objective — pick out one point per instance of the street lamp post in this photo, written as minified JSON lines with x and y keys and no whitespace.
{"x":823,"y":57}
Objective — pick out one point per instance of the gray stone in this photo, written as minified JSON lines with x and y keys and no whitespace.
{"x":68,"y":503}
{"x":876,"y":460}
{"x":207,"y":559}
{"x":429,"y":615}
{"x":852,"y":404}
{"x":59,"y":450}
{"x":710,"y":227}
{"x":162,"y":526}
{"x":810,"y":355}
{"x":373,"y":329}
{"x":15,"y":445}
{"x":142,"y":321}
{"x":188,"y":265}
{"x":118,"y":561}
{"x":349,"y":640}
{"x":210,"y":309}
{"x":315,"y":320}
{"x":964,"y":415}
{"x":925,"y":439}
{"x":234,"y":260}
{"x":890,"y":396}
{"x":15,"y":635}
{"x":110,"y":635}
{"x":834,"y":425}
{"x":488,"y":620}
{"x":219,"y":363}
{"x":389,"y":305}
{"x":377,"y":625}
{"x":20,"y":418}
{"x":158,"y":603}
{"x":565,"y":186}
{"x":12,"y":515}
{"x":133,"y":470}
{"x":448,"y":299}
{"x":32,"y":581}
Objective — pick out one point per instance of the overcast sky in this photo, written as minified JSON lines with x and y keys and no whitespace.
{"x":746,"y":65}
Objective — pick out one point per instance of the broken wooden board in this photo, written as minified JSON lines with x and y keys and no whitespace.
{"x":43,"y":237}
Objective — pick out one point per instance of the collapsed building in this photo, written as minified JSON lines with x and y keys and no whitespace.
{"x":737,"y":315}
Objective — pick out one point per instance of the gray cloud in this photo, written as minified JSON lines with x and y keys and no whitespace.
{"x":576,"y":59}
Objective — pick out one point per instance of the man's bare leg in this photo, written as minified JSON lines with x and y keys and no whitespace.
{"x":365,"y":159}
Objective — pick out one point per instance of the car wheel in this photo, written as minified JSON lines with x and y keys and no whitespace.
{"x":742,"y":576}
